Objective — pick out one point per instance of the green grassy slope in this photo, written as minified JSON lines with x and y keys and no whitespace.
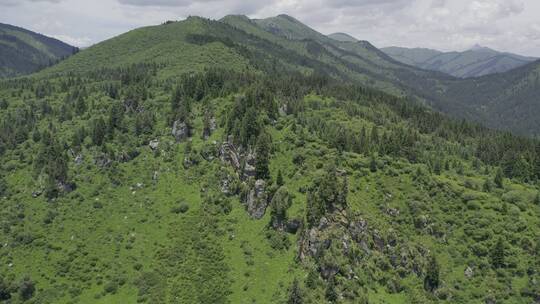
{"x":93,"y":211}
{"x":24,"y":52}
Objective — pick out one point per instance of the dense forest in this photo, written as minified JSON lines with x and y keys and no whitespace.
{"x":233,"y":177}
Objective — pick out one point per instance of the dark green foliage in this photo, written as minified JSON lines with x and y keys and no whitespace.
{"x":98,"y":131}
{"x":486,"y":187}
{"x":498,"y":180}
{"x":431,"y":281}
{"x":27,"y":289}
{"x":144,"y":123}
{"x":5,"y":290}
{"x":279,"y":179}
{"x":262,"y":155}
{"x":330,"y":293}
{"x":326,"y":194}
{"x":295,"y":293}
{"x":373,"y":164}
{"x":498,"y":254}
{"x":279,"y":205}
{"x":52,"y":160}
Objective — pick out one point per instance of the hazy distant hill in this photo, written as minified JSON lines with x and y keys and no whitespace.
{"x":343,"y":37}
{"x":478,"y":61}
{"x":24,"y":52}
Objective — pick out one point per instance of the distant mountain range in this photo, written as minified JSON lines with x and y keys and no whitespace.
{"x":478,"y":61}
{"x":24,"y":52}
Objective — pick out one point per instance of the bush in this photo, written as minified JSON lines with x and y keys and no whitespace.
{"x":183,"y":207}
{"x":111,"y":287}
{"x":278,"y":239}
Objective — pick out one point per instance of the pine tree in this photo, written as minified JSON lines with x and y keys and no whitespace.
{"x":98,"y":131}
{"x":373,"y":164}
{"x":498,"y":254}
{"x":431,"y":281}
{"x":278,"y":207}
{"x":262,"y":156}
{"x":279,"y":179}
{"x":295,"y":294}
{"x":498,"y":180}
{"x":487,"y":185}
{"x":437,"y":167}
{"x":330,"y":292}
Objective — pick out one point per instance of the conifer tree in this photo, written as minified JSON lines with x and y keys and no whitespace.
{"x":431,"y":281}
{"x":295,"y":294}
{"x":262,"y":156}
{"x":498,"y":254}
{"x":98,"y":131}
{"x":498,"y":180}
{"x":373,"y":164}
{"x":279,"y":179}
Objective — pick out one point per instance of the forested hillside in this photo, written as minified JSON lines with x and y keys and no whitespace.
{"x":478,"y":61}
{"x":194,"y":162}
{"x":24,"y":52}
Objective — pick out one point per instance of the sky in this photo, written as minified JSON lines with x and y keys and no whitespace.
{"x":505,"y":25}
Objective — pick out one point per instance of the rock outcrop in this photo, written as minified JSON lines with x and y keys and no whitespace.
{"x":257,"y":200}
{"x":180,"y":131}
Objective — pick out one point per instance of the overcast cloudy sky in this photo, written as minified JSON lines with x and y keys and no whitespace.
{"x":507,"y":25}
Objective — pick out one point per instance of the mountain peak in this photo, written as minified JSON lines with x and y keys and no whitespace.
{"x":478,"y":47}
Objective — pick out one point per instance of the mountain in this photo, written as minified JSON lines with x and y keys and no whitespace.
{"x":208,"y":161}
{"x":284,"y":44}
{"x":24,"y":52}
{"x":343,"y":37}
{"x":478,"y":61}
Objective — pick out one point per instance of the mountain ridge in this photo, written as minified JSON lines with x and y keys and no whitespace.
{"x":24,"y":52}
{"x":477,"y":61}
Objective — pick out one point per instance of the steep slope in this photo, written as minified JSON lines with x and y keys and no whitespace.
{"x":478,"y":61}
{"x":24,"y":52}
{"x":505,"y":101}
{"x":197,"y":162}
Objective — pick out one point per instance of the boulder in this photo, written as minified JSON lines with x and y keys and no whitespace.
{"x":102,"y":161}
{"x":180,"y":131}
{"x":78,"y":160}
{"x":154,"y":144}
{"x":469,"y":272}
{"x":249,"y":171}
{"x":293,"y":225}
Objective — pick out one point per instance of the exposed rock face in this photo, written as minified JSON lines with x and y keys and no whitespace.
{"x":257,"y":200}
{"x":228,"y":154}
{"x":180,"y":131}
{"x":66,"y":187}
{"x":207,"y":131}
{"x":283,"y":110}
{"x":293,"y":226}
{"x":249,"y":167}
{"x":469,"y":273}
{"x":102,"y":161}
{"x":154,"y":144}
